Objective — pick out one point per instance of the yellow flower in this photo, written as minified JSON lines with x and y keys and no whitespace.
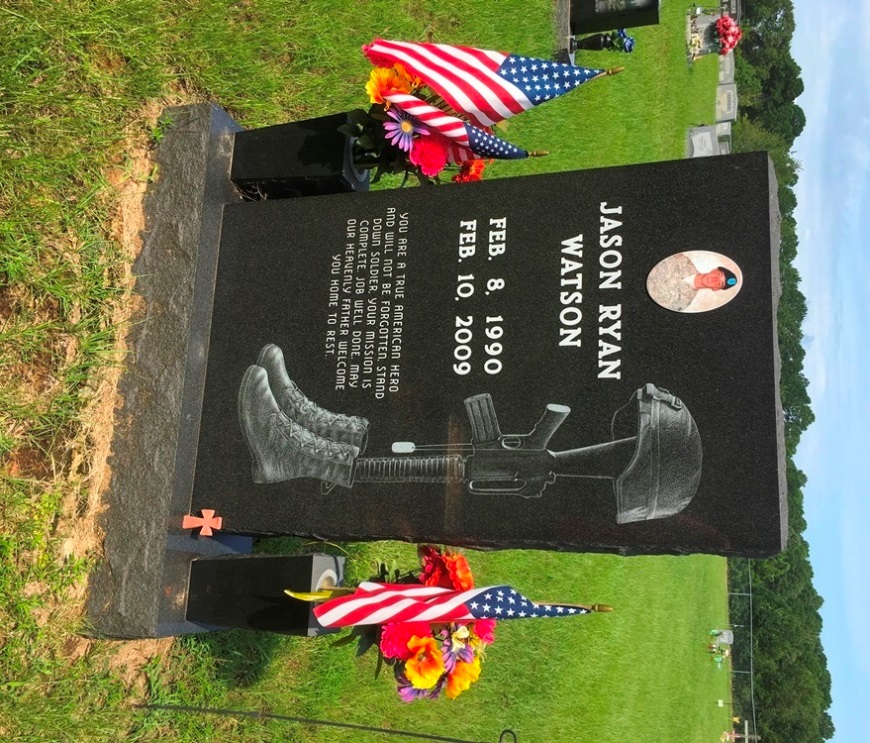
{"x":426,"y":664}
{"x":459,"y":638}
{"x":463,"y":676}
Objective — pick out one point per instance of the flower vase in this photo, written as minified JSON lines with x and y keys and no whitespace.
{"x":247,"y":591}
{"x":595,"y":42}
{"x":301,"y":158}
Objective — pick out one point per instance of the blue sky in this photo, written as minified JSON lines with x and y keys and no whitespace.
{"x":833,"y":216}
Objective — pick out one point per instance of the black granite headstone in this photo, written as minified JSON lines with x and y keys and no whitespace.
{"x":396,"y":364}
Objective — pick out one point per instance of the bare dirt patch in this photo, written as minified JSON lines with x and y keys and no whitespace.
{"x":88,"y":471}
{"x":90,"y":450}
{"x":131,"y":656}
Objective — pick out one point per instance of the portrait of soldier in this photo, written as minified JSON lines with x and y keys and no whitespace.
{"x":694,"y":281}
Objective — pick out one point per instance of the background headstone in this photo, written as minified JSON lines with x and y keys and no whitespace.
{"x":726,"y":68}
{"x":592,"y":16}
{"x":704,"y":26}
{"x":702,"y":141}
{"x":726,"y":102}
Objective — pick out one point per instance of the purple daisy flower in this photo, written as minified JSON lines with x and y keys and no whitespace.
{"x":401,"y":131}
{"x":408,"y":693}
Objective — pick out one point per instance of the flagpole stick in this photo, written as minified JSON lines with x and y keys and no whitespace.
{"x":600,"y":608}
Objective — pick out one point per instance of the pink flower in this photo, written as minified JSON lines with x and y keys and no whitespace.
{"x":396,"y":636}
{"x":429,"y":154}
{"x":485,"y":630}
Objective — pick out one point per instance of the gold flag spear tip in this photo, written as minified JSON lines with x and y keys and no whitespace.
{"x":538,"y":153}
{"x":601,"y":607}
{"x":615,"y":70}
{"x":321,"y":595}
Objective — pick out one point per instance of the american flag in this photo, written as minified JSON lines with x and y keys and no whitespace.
{"x":486,"y":86}
{"x":381,"y":603}
{"x":467,"y":142}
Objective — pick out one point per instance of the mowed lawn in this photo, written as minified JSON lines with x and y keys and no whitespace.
{"x":78,"y":79}
{"x":637,"y":673}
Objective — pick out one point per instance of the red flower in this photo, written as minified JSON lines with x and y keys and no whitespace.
{"x":429,"y":154}
{"x":729,"y":34}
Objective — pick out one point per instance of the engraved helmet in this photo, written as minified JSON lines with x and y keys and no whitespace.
{"x":663,"y":475}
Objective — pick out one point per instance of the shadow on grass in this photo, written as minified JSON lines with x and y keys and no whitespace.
{"x":240,"y":657}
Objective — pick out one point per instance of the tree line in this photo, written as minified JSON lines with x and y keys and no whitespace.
{"x":792,"y":685}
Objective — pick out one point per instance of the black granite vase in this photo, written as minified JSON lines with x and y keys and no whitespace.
{"x":301,"y":158}
{"x":247,"y":592}
{"x":596,"y":42}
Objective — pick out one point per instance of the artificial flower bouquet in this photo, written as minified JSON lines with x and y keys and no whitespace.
{"x":433,"y":106}
{"x":390,"y":140}
{"x":620,"y":41}
{"x":430,"y":659}
{"x":728,"y":33}
{"x":432,"y":626}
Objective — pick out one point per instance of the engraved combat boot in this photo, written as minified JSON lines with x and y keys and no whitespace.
{"x":349,"y":429}
{"x":281,"y":449}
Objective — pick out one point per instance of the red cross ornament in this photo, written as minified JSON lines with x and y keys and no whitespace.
{"x":208,"y":523}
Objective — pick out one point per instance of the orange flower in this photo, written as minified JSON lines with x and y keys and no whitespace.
{"x":426,"y":664}
{"x":471,"y":170}
{"x":411,"y":81}
{"x":386,"y":80}
{"x":463,"y":676}
{"x":460,"y":573}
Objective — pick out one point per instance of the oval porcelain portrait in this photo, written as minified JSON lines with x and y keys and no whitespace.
{"x":694,"y":281}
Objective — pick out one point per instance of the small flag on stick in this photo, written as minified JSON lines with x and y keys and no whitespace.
{"x":486,"y":86}
{"x":383,"y":603}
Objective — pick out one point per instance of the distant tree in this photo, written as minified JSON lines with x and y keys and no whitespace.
{"x":749,"y":135}
{"x":748,"y":80}
{"x":766,"y":23}
{"x":787,"y":121}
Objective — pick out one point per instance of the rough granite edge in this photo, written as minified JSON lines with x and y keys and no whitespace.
{"x":138,"y":584}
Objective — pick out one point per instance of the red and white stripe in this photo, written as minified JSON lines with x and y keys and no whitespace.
{"x":451,"y":127}
{"x":466,"y":78}
{"x":381,"y":603}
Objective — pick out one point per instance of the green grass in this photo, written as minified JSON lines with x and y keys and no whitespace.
{"x":638,"y":672}
{"x":81,"y":79}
